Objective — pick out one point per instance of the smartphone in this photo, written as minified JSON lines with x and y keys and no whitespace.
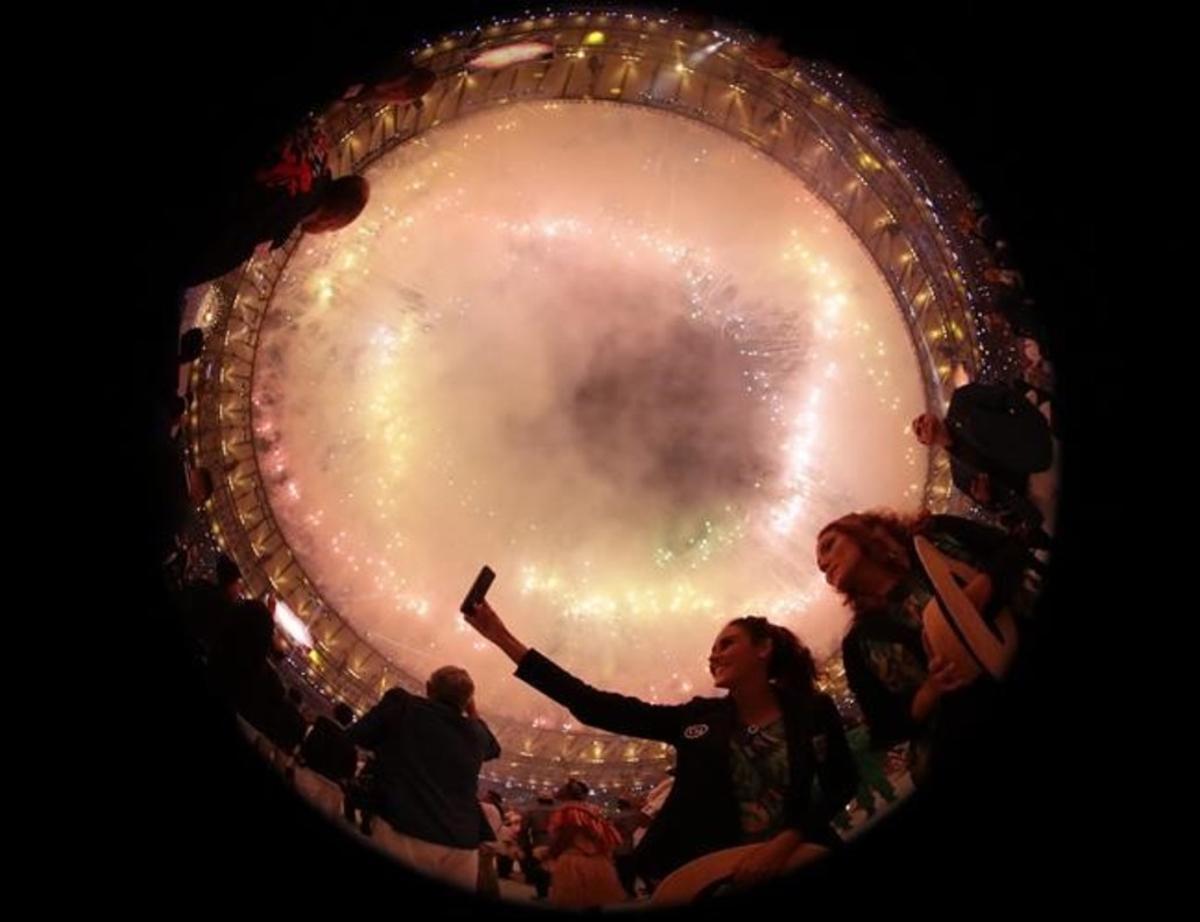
{"x":478,"y":590}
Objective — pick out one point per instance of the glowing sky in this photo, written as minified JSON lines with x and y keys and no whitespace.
{"x":622,"y":358}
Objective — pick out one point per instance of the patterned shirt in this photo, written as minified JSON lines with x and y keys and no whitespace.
{"x":759,"y":767}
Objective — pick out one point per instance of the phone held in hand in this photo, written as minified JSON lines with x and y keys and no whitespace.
{"x":478,"y":590}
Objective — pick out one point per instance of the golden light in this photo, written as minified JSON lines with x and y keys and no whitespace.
{"x":515,"y":53}
{"x":867,"y":162}
{"x":291,"y":625}
{"x":373,"y":396}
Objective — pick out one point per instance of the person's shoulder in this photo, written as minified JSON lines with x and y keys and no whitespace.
{"x":972,"y":393}
{"x":398,"y":697}
{"x":701,"y":703}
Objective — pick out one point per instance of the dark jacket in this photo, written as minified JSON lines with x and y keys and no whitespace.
{"x":701,"y":813}
{"x":328,"y":751}
{"x":995,"y":431}
{"x":425,"y":776}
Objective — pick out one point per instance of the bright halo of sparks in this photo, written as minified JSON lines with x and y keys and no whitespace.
{"x":625,"y":360}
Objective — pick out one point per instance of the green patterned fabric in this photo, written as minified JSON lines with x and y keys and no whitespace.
{"x":896,"y":665}
{"x":759,"y":768}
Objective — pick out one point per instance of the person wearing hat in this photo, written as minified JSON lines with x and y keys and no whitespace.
{"x":908,"y":690}
{"x":996,"y":439}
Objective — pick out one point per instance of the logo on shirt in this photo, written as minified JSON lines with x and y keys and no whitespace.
{"x":695,"y":731}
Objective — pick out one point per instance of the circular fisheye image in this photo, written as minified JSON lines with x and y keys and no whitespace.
{"x":621,"y":459}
